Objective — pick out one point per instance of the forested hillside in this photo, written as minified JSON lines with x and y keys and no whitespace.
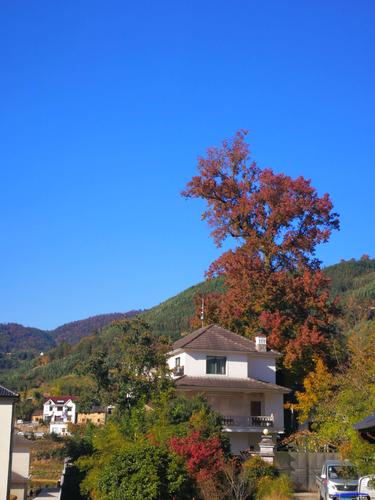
{"x":351,"y":280}
{"x":171,"y":318}
{"x":18,"y":342}
{"x":74,"y":331}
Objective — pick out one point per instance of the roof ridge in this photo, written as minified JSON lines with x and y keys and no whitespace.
{"x":235,"y":334}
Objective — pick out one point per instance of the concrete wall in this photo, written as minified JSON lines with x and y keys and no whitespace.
{"x":6,"y":418}
{"x":21,"y":462}
{"x":262,"y":368}
{"x":20,"y":468}
{"x":302,"y":467}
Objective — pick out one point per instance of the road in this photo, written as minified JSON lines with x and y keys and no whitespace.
{"x":48,"y":494}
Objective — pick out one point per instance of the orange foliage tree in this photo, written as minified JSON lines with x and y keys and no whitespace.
{"x":273,"y":282}
{"x":318,"y":389}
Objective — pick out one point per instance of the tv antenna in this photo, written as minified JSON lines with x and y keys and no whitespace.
{"x":202,"y":312}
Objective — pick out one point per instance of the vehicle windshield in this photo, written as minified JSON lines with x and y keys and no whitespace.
{"x":342,"y":472}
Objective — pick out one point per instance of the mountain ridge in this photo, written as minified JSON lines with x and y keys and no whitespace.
{"x":25,"y":341}
{"x":56,"y":371}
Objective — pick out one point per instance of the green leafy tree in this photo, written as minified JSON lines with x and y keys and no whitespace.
{"x":352,"y":399}
{"x":145,"y":472}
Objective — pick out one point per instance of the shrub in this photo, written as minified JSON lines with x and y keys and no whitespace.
{"x":255,"y":468}
{"x":279,"y":488}
{"x":146,"y":472}
{"x":203,"y":456}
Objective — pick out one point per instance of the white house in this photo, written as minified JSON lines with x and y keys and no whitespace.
{"x":7,"y":400}
{"x":59,"y":411}
{"x":238,"y":378}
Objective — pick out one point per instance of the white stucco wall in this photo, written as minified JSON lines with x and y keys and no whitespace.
{"x":241,"y":441}
{"x":21,"y":460}
{"x":6,"y":416}
{"x":68,"y":412}
{"x":262,"y":368}
{"x":194,"y":363}
{"x":172,"y":360}
{"x":234,"y":403}
{"x":20,"y":467}
{"x":274,"y":405}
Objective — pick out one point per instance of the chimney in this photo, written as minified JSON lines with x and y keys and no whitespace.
{"x":261,"y":343}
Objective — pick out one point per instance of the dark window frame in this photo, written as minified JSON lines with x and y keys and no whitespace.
{"x":216,"y":365}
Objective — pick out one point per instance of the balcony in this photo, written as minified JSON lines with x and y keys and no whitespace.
{"x":254,"y":422}
{"x":178,"y":371}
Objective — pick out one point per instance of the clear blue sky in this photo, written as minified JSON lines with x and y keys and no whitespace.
{"x":105,"y":107}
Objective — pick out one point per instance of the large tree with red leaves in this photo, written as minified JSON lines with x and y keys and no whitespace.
{"x":272,"y":277}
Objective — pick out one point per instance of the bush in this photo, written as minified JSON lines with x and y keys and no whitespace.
{"x":279,"y":488}
{"x":255,"y":468}
{"x":146,"y":472}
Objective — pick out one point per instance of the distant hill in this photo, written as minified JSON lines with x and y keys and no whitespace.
{"x":353,"y":278}
{"x":171,"y":317}
{"x":23,"y":342}
{"x":350,"y":279}
{"x":73,"y":332}
{"x":15,"y":337}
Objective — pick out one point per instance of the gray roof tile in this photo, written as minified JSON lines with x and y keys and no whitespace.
{"x":6,"y":393}
{"x":216,"y":338}
{"x":223,"y":382}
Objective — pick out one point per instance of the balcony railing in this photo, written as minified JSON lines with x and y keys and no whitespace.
{"x":178,"y":371}
{"x":253,"y":421}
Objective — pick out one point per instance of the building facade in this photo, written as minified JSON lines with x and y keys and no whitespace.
{"x":20,"y":467}
{"x":238,"y":378}
{"x":96,"y":416}
{"x":7,"y":400}
{"x":59,"y":409}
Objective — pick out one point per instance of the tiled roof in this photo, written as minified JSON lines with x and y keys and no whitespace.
{"x":223,"y":382}
{"x":216,"y":338}
{"x":6,"y":393}
{"x":96,"y":409}
{"x":366,"y":423}
{"x":61,"y":399}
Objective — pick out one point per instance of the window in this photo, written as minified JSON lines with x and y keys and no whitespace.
{"x":215,"y":365}
{"x":346,"y":472}
{"x":59,"y":408}
{"x":177,"y":362}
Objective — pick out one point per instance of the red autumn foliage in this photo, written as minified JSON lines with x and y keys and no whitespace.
{"x":273,"y":281}
{"x":204,"y":456}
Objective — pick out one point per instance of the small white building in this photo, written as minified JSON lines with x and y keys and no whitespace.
{"x":59,"y":428}
{"x":59,"y":411}
{"x":7,"y":400}
{"x":238,"y":378}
